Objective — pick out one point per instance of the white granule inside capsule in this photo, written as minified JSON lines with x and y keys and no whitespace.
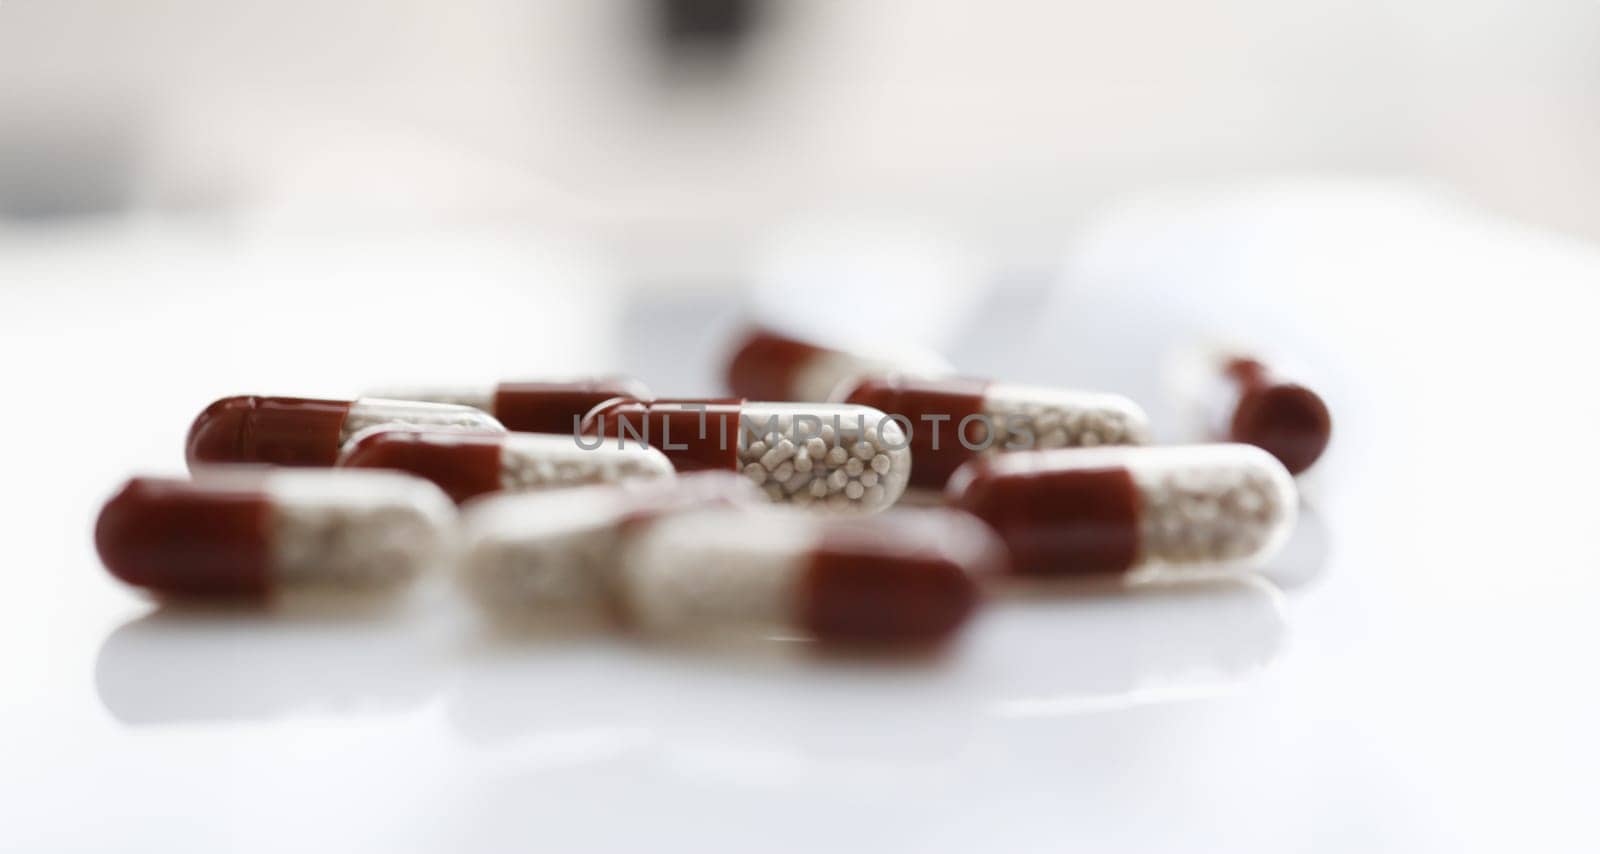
{"x":1070,"y":421}
{"x":525,"y":471}
{"x":538,"y":553}
{"x":377,"y":412}
{"x":563,"y":571}
{"x":859,"y":466}
{"x":1207,"y":514}
{"x":356,"y":532}
{"x":695,"y":572}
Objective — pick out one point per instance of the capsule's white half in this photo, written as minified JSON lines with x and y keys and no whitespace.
{"x":541,"y":552}
{"x":1229,"y":504}
{"x":531,"y":461}
{"x":842,"y":456}
{"x":822,"y":375}
{"x":709,"y":571}
{"x":1200,"y":506}
{"x":477,"y":396}
{"x":368,"y":412}
{"x":1038,"y":418}
{"x":1198,"y":388}
{"x":351,"y":528}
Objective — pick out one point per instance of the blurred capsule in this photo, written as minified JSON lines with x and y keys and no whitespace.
{"x":543,"y":406}
{"x":1271,"y":412}
{"x":467,"y":465}
{"x":908,"y":577}
{"x":252,"y":532}
{"x":1113,"y":510}
{"x":296,"y":431}
{"x":1239,"y":398}
{"x":543,"y":553}
{"x":769,"y":366}
{"x":836,"y":455}
{"x":954,"y":419}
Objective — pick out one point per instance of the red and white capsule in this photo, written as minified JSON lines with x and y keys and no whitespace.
{"x":297,"y":431}
{"x":534,"y":406}
{"x":544,"y":554}
{"x":954,"y":419}
{"x":770,"y":366}
{"x":253,"y":532}
{"x":1276,"y":414}
{"x":1115,"y":510}
{"x":908,"y":577}
{"x":1239,"y":398}
{"x":835,"y":455}
{"x":466,"y":465}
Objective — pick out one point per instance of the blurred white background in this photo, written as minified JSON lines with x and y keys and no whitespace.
{"x":208,"y":198}
{"x":1007,"y":121}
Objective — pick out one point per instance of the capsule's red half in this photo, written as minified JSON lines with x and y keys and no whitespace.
{"x":557,"y":407}
{"x":173,"y":537}
{"x":1078,"y":521}
{"x":464,"y":465}
{"x":765,"y":365}
{"x":859,"y":589}
{"x":288,"y":431}
{"x":1287,"y":420}
{"x":950,"y":398}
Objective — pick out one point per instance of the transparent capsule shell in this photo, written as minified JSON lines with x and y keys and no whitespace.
{"x":469,"y":464}
{"x":1039,"y":418}
{"x":831,"y":455}
{"x":546,"y":460}
{"x":368,"y":412}
{"x":841,"y":456}
{"x":478,"y":396}
{"x":534,"y":406}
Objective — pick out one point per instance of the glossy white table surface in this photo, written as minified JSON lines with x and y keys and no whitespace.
{"x":1415,"y":674}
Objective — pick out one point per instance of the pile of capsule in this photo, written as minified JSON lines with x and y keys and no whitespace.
{"x":759,"y":514}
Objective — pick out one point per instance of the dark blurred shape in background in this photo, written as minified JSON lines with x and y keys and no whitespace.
{"x":51,"y":170}
{"x":1012,"y":122}
{"x":717,"y":26}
